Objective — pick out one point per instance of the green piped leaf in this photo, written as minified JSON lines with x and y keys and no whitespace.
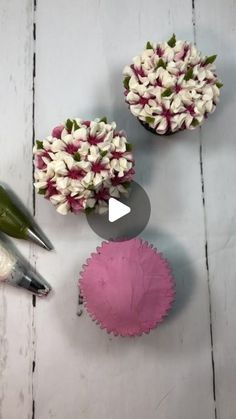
{"x":77,"y":156}
{"x":39,"y":145}
{"x":219,"y":84}
{"x":69,"y":125}
{"x":161,"y":63}
{"x":88,"y":210}
{"x":167,"y":92}
{"x":41,"y":191}
{"x":129,"y":147}
{"x":103,"y":153}
{"x":103,"y":119}
{"x":91,"y":187}
{"x":126,"y":82}
{"x":149,"y":119}
{"x":195,"y":122}
{"x":149,"y":45}
{"x":75,"y":125}
{"x":172,"y":41}
{"x":189,"y":74}
{"x":126,"y":184}
{"x":210,"y":60}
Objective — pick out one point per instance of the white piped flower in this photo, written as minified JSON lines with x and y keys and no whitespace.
{"x":63,"y":208}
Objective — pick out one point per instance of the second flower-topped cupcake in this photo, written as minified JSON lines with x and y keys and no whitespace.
{"x":171,"y":86}
{"x":82,"y":164}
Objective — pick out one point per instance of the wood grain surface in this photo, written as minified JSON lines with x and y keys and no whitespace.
{"x":16,"y":309}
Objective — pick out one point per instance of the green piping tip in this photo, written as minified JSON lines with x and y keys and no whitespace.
{"x":15,"y":221}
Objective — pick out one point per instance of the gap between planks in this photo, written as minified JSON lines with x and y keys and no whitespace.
{"x":194,"y":22}
{"x":34,"y":8}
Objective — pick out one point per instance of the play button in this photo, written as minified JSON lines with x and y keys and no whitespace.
{"x":117,"y":210}
{"x":126,"y":217}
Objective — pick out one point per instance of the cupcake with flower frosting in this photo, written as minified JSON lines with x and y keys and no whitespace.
{"x":82,"y":164}
{"x":127,"y":287}
{"x":171,"y":86}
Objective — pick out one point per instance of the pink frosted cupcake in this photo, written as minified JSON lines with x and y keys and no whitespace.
{"x":171,"y":86}
{"x":127,"y":287}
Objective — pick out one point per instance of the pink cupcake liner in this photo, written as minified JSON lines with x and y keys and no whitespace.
{"x":127,"y":287}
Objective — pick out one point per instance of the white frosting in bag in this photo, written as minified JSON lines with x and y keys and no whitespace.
{"x":7,"y":262}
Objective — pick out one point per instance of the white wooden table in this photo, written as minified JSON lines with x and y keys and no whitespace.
{"x":54,"y":364}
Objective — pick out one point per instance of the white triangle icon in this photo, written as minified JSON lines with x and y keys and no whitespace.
{"x":117,"y":210}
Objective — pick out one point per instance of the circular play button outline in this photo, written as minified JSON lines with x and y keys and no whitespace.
{"x":130,"y":214}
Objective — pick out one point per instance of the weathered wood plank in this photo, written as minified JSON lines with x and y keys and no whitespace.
{"x":81,"y":50}
{"x":16,"y":332}
{"x":216,"y":28}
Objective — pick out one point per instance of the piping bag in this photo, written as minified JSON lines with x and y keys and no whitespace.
{"x":14,"y":270}
{"x":15,"y":221}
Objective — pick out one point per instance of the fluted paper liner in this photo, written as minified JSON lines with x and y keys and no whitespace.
{"x":128,"y":287}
